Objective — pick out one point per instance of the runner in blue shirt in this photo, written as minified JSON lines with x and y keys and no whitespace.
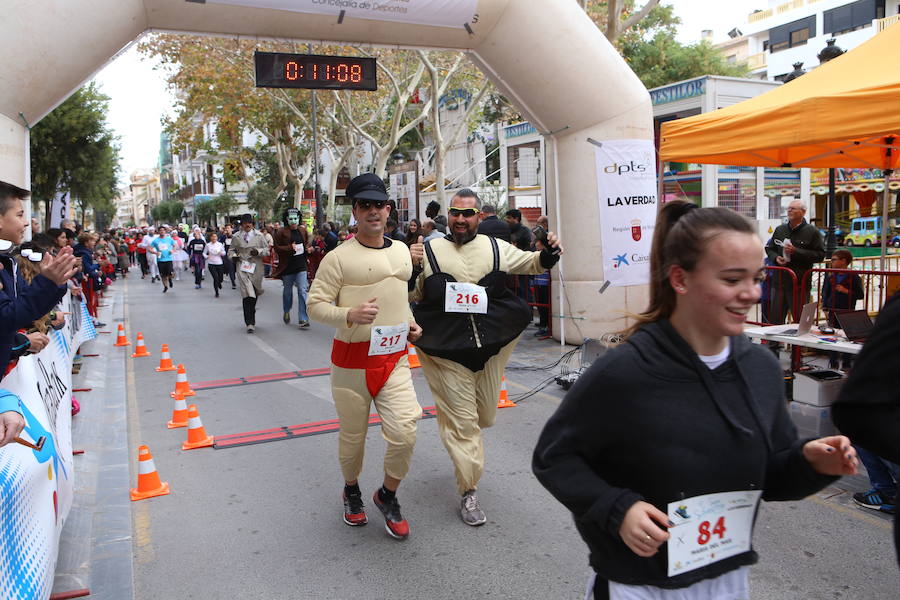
{"x":163,"y":247}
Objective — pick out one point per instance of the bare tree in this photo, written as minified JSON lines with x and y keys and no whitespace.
{"x":438,"y":89}
{"x":615,"y":17}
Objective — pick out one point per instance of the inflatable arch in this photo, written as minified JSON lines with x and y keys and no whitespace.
{"x":545,"y":55}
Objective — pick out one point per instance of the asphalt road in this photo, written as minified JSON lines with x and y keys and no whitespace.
{"x":263,"y":521}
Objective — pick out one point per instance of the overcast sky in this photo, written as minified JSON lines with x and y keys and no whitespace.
{"x":139,"y":96}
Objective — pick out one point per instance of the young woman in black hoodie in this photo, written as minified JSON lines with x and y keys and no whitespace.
{"x":657,"y":440}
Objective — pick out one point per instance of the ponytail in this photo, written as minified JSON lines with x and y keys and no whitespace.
{"x":681,"y":235}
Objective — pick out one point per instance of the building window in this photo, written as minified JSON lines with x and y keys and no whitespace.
{"x":765,"y":45}
{"x":792,"y":34}
{"x":731,"y":59}
{"x":799,"y":37}
{"x":850,"y":17}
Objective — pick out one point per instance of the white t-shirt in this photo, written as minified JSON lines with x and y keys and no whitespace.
{"x":213,"y":252}
{"x":733,"y":585}
{"x":716,"y":360}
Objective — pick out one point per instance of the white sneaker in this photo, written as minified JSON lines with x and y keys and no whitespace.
{"x":470,"y":511}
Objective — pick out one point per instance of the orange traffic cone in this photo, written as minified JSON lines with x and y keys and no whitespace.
{"x":148,"y":483}
{"x":504,"y":395}
{"x":141,"y":349}
{"x":165,"y":361}
{"x":197,"y":437}
{"x":179,"y":413}
{"x":412,"y":356}
{"x":121,"y":340}
{"x":181,"y":384}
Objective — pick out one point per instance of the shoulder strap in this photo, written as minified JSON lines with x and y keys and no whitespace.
{"x":431,"y":259}
{"x":496,"y":251}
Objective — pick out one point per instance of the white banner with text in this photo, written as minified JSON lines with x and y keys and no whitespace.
{"x":437,"y":13}
{"x":36,"y":487}
{"x":626,"y":190}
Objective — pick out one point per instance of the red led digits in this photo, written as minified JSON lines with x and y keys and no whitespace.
{"x":292,"y":70}
{"x":307,"y":71}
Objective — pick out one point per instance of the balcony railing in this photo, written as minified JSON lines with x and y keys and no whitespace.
{"x":760,"y":16}
{"x":756,"y":61}
{"x":886,"y":22}
{"x":789,"y":6}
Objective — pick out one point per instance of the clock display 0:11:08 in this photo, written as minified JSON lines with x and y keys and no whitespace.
{"x":341,"y":72}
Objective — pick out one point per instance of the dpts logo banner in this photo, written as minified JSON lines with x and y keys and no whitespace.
{"x":626,"y":189}
{"x":36,"y":488}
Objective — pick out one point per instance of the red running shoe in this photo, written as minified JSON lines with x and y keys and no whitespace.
{"x":394,"y":523}
{"x":354,"y":511}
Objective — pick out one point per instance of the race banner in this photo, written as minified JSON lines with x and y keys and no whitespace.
{"x":626,"y":190}
{"x":438,"y":13}
{"x":59,"y":209}
{"x":36,"y":487}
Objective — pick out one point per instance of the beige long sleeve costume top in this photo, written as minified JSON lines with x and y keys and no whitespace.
{"x":352,"y":274}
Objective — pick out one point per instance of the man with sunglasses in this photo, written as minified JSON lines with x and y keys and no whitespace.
{"x":471,"y":323}
{"x":361,"y":290}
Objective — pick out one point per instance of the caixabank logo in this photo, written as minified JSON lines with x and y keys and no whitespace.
{"x":629,"y":260}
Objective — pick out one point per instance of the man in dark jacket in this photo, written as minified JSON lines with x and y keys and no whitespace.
{"x":292,"y":244}
{"x":868,"y":409}
{"x":491,"y":225}
{"x":329,"y":237}
{"x":519,"y":236}
{"x":796,"y":245}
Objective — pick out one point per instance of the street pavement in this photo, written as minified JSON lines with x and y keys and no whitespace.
{"x":264,"y":521}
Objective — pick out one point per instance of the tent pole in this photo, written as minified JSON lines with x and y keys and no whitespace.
{"x":562,"y":312}
{"x":885,"y":201}
{"x":830,"y":241}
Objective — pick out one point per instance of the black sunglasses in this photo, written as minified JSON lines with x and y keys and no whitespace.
{"x":367,"y":204}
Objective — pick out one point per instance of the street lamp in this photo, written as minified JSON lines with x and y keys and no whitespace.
{"x":829,"y":52}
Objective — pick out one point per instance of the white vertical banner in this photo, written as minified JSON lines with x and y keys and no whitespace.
{"x":626,"y":190}
{"x":37,"y":486}
{"x":439,"y":13}
{"x":59,"y":209}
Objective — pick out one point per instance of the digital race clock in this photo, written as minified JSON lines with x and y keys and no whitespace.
{"x":312,"y":71}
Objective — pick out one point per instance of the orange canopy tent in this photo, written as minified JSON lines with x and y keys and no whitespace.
{"x":845,"y":113}
{"x":841,"y":114}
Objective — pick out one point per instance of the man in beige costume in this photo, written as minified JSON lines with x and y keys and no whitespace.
{"x":247,"y":249}
{"x":361,"y":289}
{"x":471,"y":323}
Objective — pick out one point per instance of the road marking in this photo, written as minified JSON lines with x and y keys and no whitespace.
{"x":144,"y":552}
{"x":853,"y":512}
{"x":278,"y":358}
{"x":277,"y":434}
{"x":253,"y":379}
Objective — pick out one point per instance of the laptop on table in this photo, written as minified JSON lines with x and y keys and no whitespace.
{"x":856,"y":325}
{"x":806,"y":321}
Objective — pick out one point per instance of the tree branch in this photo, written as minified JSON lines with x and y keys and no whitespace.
{"x":636,"y":17}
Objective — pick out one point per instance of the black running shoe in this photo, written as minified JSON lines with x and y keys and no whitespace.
{"x":354,"y":511}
